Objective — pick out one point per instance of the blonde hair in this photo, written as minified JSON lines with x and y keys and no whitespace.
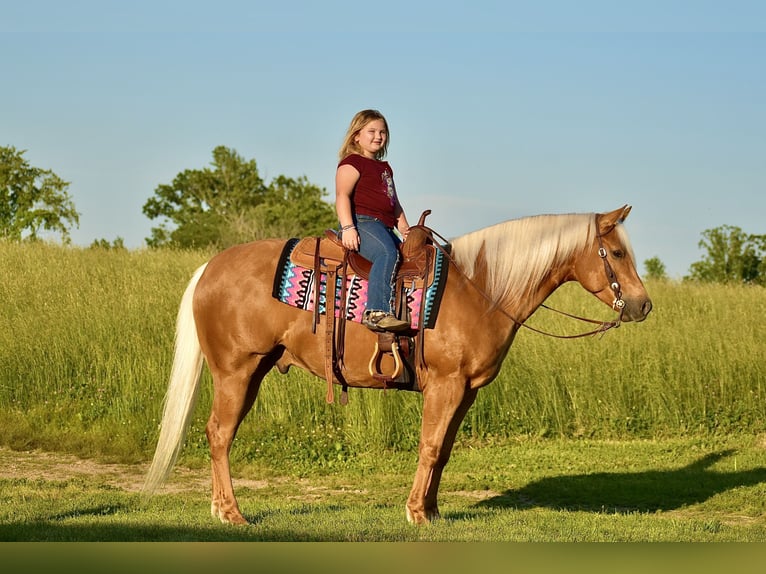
{"x":358,"y":122}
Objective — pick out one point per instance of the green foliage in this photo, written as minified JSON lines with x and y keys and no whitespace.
{"x":655,"y":269}
{"x":732,"y":256}
{"x":291,"y":208}
{"x":32,"y":200}
{"x":231,"y":203}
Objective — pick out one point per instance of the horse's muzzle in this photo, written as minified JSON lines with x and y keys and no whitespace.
{"x":637,"y":310}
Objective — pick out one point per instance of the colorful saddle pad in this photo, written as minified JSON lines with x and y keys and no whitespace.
{"x":294,"y":285}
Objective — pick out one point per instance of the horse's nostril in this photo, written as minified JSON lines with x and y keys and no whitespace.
{"x":646,"y":307}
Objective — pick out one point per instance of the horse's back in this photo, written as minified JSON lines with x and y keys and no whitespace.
{"x":242,"y":266}
{"x":233,"y":299}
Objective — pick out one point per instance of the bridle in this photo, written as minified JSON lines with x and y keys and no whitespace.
{"x":603,"y":326}
{"x":618,"y":303}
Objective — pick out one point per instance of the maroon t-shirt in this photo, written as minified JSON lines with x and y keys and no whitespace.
{"x":375,"y":192}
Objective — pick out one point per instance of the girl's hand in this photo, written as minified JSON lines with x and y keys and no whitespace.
{"x":350,"y":239}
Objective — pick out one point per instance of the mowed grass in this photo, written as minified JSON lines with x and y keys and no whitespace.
{"x":559,"y":490}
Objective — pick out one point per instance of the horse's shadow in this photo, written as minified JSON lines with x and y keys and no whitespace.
{"x":647,"y":491}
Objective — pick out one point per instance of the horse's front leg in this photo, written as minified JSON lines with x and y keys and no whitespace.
{"x":445,"y":404}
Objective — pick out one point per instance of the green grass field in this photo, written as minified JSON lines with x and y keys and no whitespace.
{"x":86,"y":348}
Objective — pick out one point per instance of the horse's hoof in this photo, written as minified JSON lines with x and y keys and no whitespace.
{"x":410,"y":516}
{"x":233,"y":518}
{"x":238,"y":520}
{"x":420,"y":517}
{"x":228,"y":517}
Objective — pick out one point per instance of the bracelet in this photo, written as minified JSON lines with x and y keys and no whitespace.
{"x":347,"y":227}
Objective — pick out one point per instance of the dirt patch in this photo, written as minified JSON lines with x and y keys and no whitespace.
{"x":35,"y":465}
{"x":51,"y":466}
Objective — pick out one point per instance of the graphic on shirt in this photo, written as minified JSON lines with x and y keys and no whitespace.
{"x":388,"y":181}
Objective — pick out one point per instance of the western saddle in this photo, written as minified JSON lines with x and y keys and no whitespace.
{"x":327,"y":255}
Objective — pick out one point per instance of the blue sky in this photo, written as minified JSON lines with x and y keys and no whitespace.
{"x":497,"y":110}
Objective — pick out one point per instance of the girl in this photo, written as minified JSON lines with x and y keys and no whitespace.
{"x":368,"y":210}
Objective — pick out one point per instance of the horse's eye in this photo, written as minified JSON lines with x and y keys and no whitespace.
{"x":618,"y":253}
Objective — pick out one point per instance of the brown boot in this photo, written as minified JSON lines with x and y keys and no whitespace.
{"x":381,"y":321}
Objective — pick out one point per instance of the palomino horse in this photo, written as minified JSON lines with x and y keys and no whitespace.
{"x":498,"y":277}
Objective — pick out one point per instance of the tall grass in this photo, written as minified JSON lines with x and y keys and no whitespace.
{"x":696,"y":365}
{"x":84,"y":344}
{"x":86,"y":348}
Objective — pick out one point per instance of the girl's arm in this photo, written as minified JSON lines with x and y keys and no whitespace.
{"x":345,"y":180}
{"x":401,"y":221}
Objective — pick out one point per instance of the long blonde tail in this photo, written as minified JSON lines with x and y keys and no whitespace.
{"x":182,"y":393}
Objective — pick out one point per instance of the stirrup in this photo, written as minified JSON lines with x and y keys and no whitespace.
{"x":377,"y":374}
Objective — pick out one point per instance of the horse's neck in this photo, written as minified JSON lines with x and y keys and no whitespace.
{"x":522,"y":309}
{"x":519,"y":308}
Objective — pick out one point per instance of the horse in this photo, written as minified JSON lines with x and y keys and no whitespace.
{"x":497,"y":277}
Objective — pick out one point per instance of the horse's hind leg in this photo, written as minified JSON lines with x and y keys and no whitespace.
{"x":233,"y":396}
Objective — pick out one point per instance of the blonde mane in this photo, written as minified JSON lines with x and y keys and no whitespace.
{"x":520,"y":253}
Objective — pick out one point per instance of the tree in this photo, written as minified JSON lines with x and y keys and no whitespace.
{"x":291,"y":208}
{"x":732,"y":256}
{"x":32,"y":200}
{"x":198,"y":201}
{"x":116,"y":245}
{"x":655,"y":269}
{"x":230,"y":203}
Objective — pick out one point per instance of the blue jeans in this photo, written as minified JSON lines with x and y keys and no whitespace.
{"x":379,"y":244}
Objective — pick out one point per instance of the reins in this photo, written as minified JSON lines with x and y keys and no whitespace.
{"x":604,"y":326}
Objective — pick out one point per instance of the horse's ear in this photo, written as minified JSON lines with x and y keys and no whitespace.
{"x":607,"y":221}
